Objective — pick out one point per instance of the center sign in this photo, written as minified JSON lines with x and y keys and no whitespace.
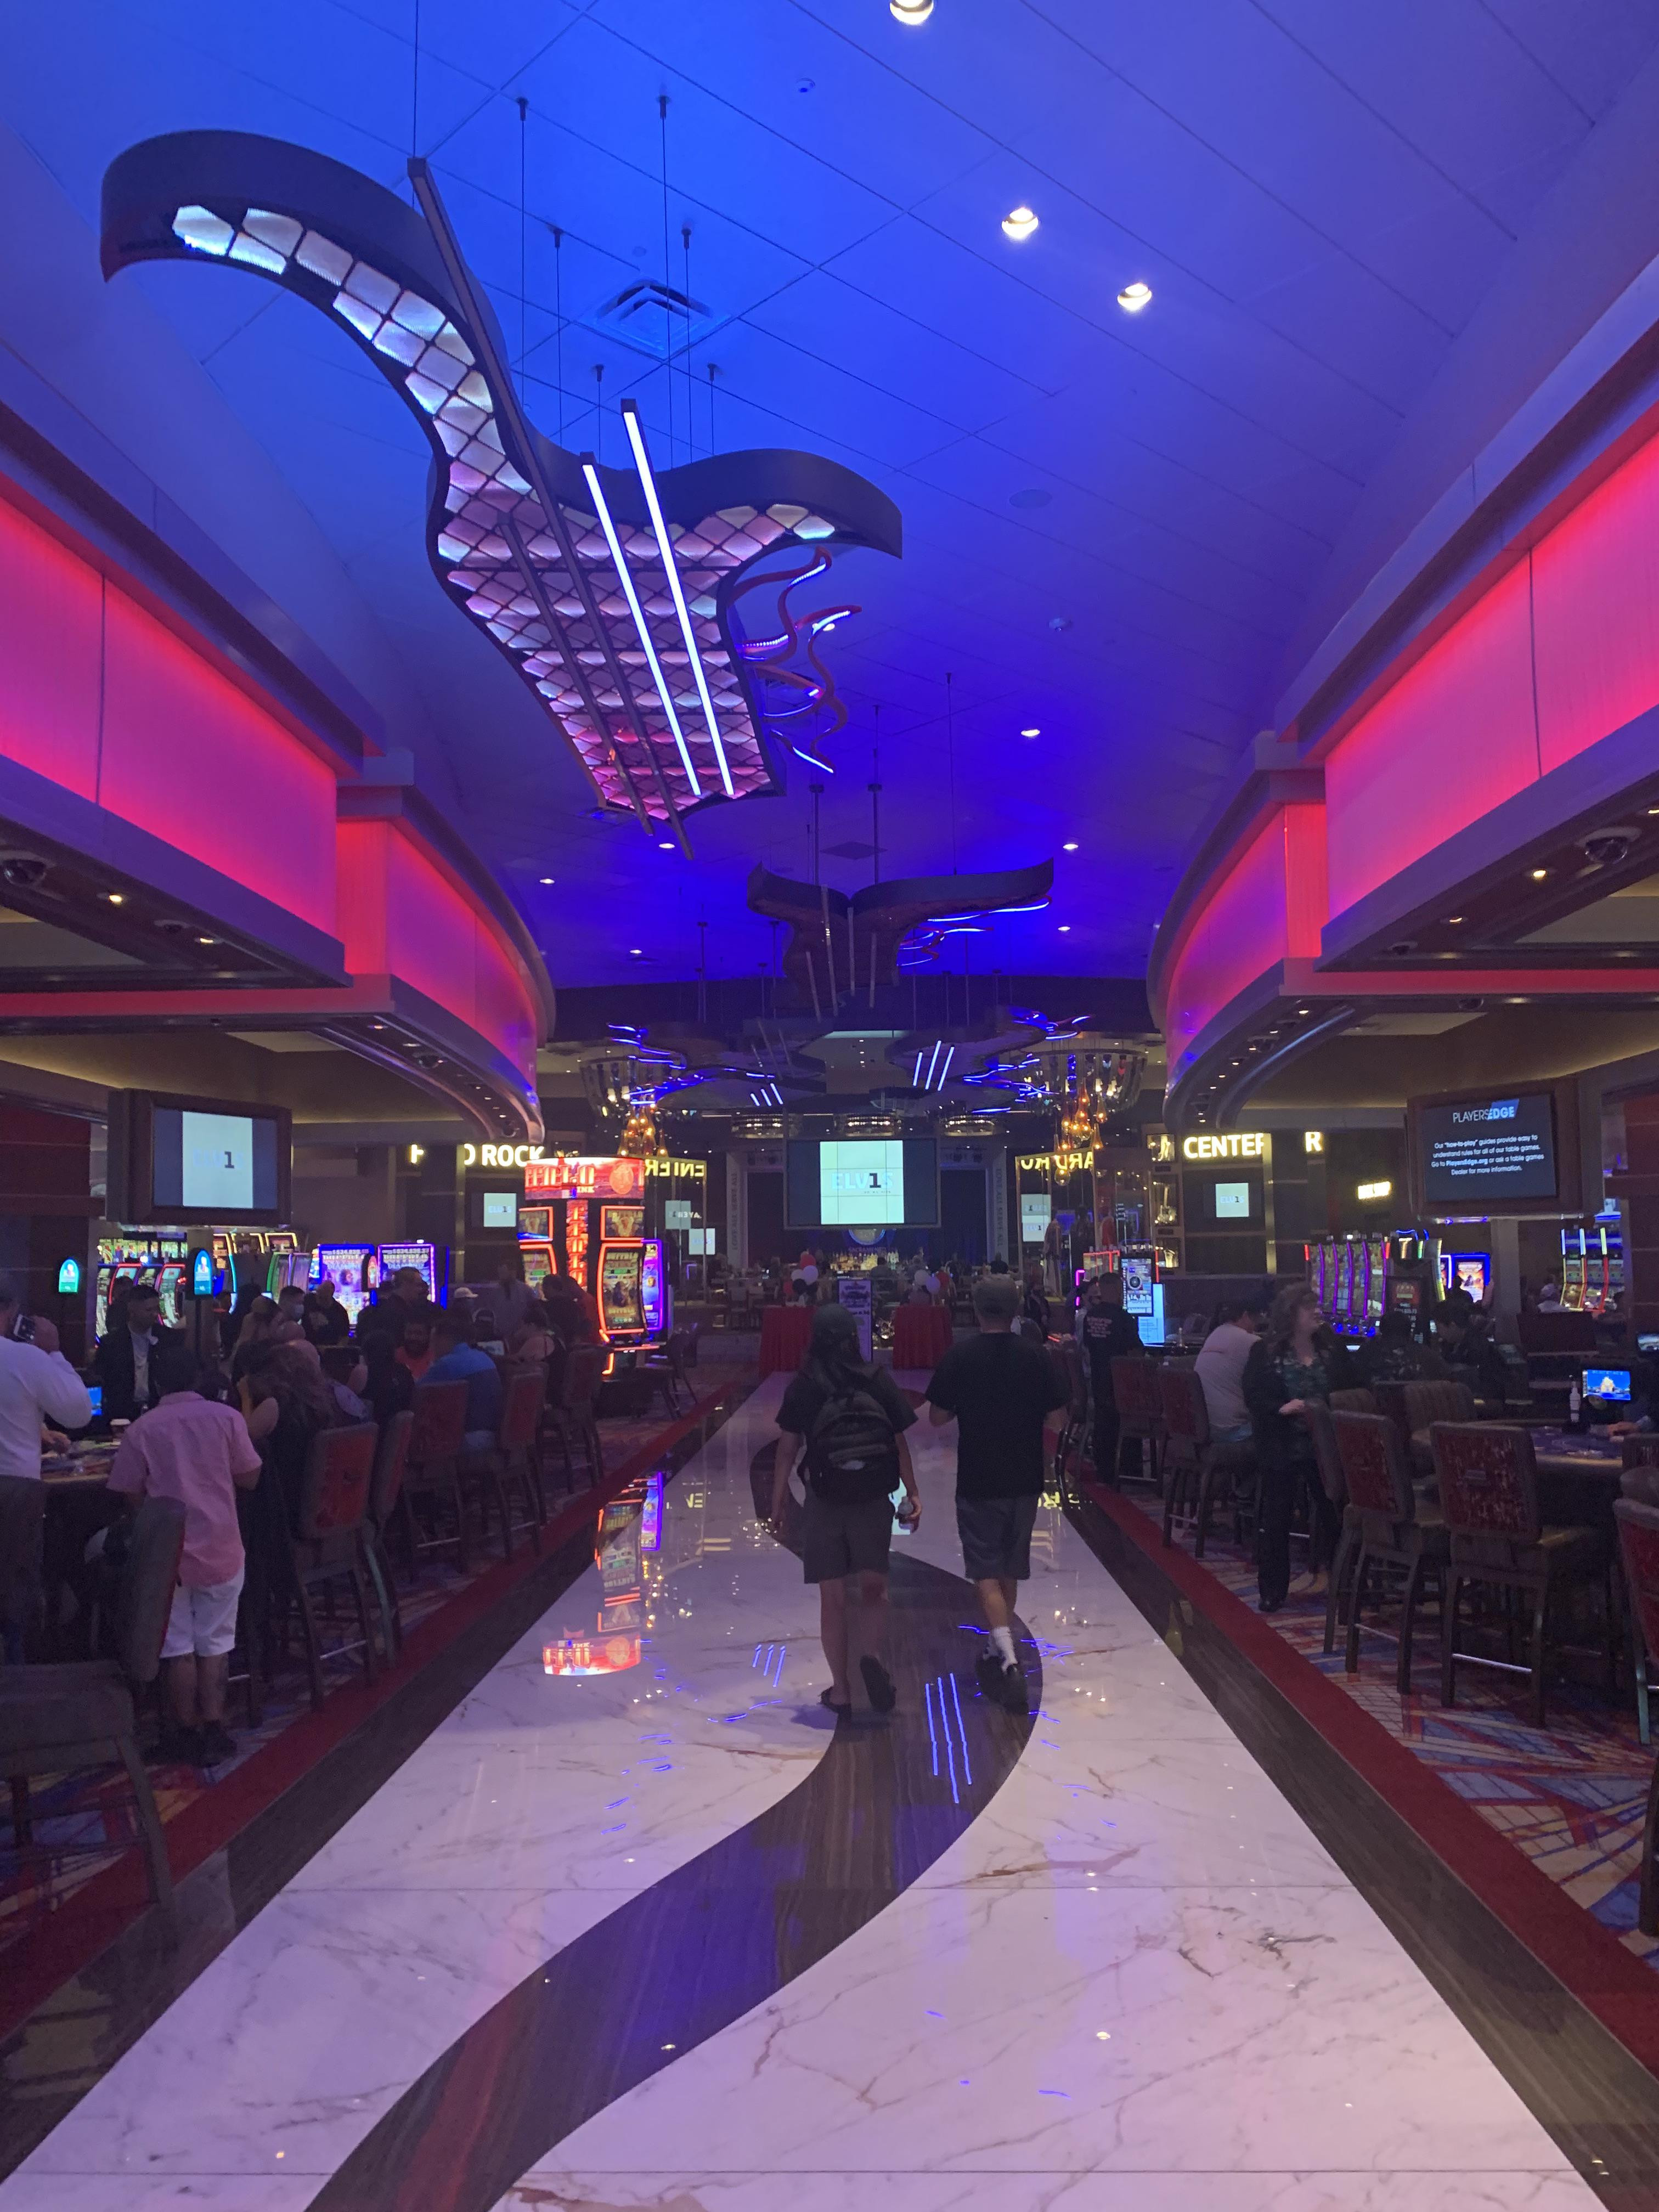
{"x":1249,"y":1146}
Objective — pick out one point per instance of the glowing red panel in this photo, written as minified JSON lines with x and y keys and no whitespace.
{"x":1596,"y":611}
{"x":51,"y":651}
{"x":189,"y":758}
{"x":1453,"y":739}
{"x":1241,"y":931}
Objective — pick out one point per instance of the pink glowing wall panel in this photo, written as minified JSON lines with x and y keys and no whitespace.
{"x":1242,"y":928}
{"x":50,"y":650}
{"x":401,"y":915}
{"x":1454,"y":738}
{"x":1595,"y":612}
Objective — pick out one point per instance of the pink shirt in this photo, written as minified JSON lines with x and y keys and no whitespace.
{"x":189,"y":1449}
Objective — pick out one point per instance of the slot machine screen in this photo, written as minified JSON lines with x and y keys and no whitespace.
{"x":622,"y":1221}
{"x":621,"y":1312}
{"x":536,"y":1222}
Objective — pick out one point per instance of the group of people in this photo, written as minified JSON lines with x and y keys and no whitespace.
{"x":844,"y":1423}
{"x":205,"y":1431}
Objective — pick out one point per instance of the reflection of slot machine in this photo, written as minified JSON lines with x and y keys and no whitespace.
{"x":1572,"y":1269}
{"x":620,"y":1545}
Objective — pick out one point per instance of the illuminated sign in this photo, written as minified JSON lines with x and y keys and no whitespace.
{"x":201,"y":1274}
{"x":1313,"y":1140}
{"x":1368,"y":1190}
{"x":495,"y":1156}
{"x":1062,"y":1163}
{"x":677,"y":1170}
{"x":581,"y":1176}
{"x":69,"y":1278}
{"x":1251,"y":1145}
{"x":417,"y":1153}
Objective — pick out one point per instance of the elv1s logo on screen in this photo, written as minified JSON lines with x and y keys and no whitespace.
{"x":1501,"y":1109}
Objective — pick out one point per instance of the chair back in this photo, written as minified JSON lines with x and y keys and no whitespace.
{"x":1374,"y":1466}
{"x":339,"y":1469}
{"x":679,"y":1350}
{"x":1134,"y":1388}
{"x":1639,"y":1451}
{"x":1640,"y":1484}
{"x":1428,"y":1402}
{"x":1317,"y":1415}
{"x":1182,"y":1404}
{"x":1638,"y":1549}
{"x":389,"y":1459}
{"x":691,"y":1334}
{"x":440,"y":1422}
{"x":521,"y":1409}
{"x":1075,"y":1376}
{"x":1353,"y":1402}
{"x":22,"y":1546}
{"x":147,"y":1581}
{"x":584,"y":1371}
{"x":1391,"y":1402}
{"x":1488,"y":1479}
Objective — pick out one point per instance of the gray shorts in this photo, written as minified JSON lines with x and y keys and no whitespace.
{"x":996,"y":1537}
{"x":845,"y":1540}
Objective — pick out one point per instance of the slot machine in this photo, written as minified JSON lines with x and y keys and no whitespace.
{"x":172,"y":1287}
{"x":1342,"y":1312}
{"x":1377,"y":1275}
{"x":354,"y":1270}
{"x":1572,"y":1269}
{"x":568,"y":1200}
{"x":423,"y":1258}
{"x":536,"y":1244}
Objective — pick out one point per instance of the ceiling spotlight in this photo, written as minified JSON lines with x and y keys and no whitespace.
{"x":1071,"y":847}
{"x":116,"y":898}
{"x":1539,"y":874}
{"x":910,"y":11}
{"x":1133,"y":297}
{"x":1030,"y":734}
{"x":1019,"y":224}
{"x":1454,"y":919}
{"x":1065,"y":928}
{"x":545,"y":880}
{"x":207,"y":940}
{"x":665,"y":844}
{"x":636,"y":952}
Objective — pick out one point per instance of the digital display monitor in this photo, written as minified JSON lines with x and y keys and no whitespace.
{"x":1483,"y":1151}
{"x":863,"y":1182}
{"x":1610,"y":1384}
{"x":501,"y":1209}
{"x":1233,"y":1201}
{"x":1150,"y":1324}
{"x":423,"y":1258}
{"x":183,"y":1159}
{"x":1466,"y":1271}
{"x":1036,"y":1208}
{"x":622,"y":1221}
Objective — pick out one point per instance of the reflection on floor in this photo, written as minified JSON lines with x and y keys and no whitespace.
{"x":1136,"y":1980}
{"x":84,"y":1822}
{"x":1571,"y":1796}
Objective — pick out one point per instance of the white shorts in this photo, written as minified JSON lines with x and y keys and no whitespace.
{"x":203,"y":1622}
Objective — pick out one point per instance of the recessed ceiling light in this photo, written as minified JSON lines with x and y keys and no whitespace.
{"x":1454,"y":919}
{"x":116,"y":898}
{"x":1133,"y":297}
{"x":1019,"y":224}
{"x":1539,"y":874}
{"x":665,"y":844}
{"x":910,"y":11}
{"x":1030,"y":734}
{"x":1071,"y":847}
{"x":546,"y":879}
{"x":207,"y":940}
{"x":1065,"y":928}
{"x":636,"y":952}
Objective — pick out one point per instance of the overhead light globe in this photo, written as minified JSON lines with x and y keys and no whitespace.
{"x":1133,"y":297}
{"x":910,"y":11}
{"x":1019,"y":224}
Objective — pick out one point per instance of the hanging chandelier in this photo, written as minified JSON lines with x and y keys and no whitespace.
{"x":641,"y":1139}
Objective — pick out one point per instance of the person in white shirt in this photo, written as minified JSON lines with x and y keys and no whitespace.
{"x":1220,"y":1370}
{"x":37,"y":1384}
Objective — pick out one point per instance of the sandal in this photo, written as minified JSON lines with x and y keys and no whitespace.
{"x":840,"y":1713}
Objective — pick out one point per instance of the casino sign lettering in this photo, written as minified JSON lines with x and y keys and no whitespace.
{"x":1250,"y":1144}
{"x":498,"y":1156}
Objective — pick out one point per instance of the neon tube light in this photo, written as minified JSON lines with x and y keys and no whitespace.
{"x":626,"y":580}
{"x":933,"y":1063}
{"x":649,"y":483}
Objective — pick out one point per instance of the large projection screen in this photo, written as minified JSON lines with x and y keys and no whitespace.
{"x":861,"y":1182}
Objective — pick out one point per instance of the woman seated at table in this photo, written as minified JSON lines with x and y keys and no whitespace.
{"x":289,"y":1400}
{"x":536,"y":1340}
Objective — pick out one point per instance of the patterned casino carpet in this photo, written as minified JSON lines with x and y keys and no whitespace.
{"x":1571,"y":1796}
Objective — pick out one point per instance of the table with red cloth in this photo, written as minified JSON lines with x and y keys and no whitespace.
{"x":922,"y":1336}
{"x":785,"y":1333}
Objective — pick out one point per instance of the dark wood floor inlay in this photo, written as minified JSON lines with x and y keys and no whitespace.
{"x":698,"y":1950}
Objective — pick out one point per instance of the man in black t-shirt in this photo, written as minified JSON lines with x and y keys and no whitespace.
{"x":1108,"y":1334}
{"x":1003,"y":1391}
{"x":850,"y":1420}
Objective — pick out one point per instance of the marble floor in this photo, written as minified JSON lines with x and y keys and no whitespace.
{"x":1134,"y":1979}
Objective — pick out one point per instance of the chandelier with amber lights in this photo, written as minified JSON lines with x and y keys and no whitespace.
{"x":640,"y":1138}
{"x":1086,"y":1078}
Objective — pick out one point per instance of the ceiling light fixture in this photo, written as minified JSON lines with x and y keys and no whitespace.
{"x":1539,"y":874}
{"x":619,"y":561}
{"x":1030,"y":734}
{"x":1065,"y":928}
{"x":545,"y":880}
{"x":1071,"y":847}
{"x":648,"y":482}
{"x":1453,"y":920}
{"x":116,"y":898}
{"x":1133,"y":297}
{"x":1019,"y":224}
{"x":911,"y":12}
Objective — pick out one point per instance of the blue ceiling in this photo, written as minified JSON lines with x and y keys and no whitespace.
{"x":1112,"y":523}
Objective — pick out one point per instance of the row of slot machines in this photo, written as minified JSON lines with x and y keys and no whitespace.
{"x":182,"y":1267}
{"x":1359,"y":1279}
{"x":623,"y":1267}
{"x":357,"y":1271}
{"x":1593,"y":1265}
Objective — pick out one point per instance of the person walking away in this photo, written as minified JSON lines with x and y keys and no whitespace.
{"x":201,"y":1453}
{"x":1002,"y":1391}
{"x":1297,"y":1359}
{"x":849,"y":1421}
{"x":1108,"y":1334}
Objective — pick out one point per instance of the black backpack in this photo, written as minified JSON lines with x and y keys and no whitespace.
{"x":852,"y":1453}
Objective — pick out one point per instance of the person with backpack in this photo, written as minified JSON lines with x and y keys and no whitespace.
{"x":849,"y":1419}
{"x":1002,"y":1390}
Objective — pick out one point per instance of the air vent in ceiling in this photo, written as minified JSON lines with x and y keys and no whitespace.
{"x":655,"y":319}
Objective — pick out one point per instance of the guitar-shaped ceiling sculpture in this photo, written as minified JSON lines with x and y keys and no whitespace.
{"x":614,"y":593}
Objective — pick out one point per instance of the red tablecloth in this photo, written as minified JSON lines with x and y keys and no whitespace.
{"x":922,"y":1336}
{"x":784,"y":1331}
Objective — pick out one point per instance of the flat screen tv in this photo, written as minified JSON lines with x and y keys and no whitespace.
{"x":1485,"y":1152}
{"x":182,"y":1159}
{"x":862,"y":1182}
